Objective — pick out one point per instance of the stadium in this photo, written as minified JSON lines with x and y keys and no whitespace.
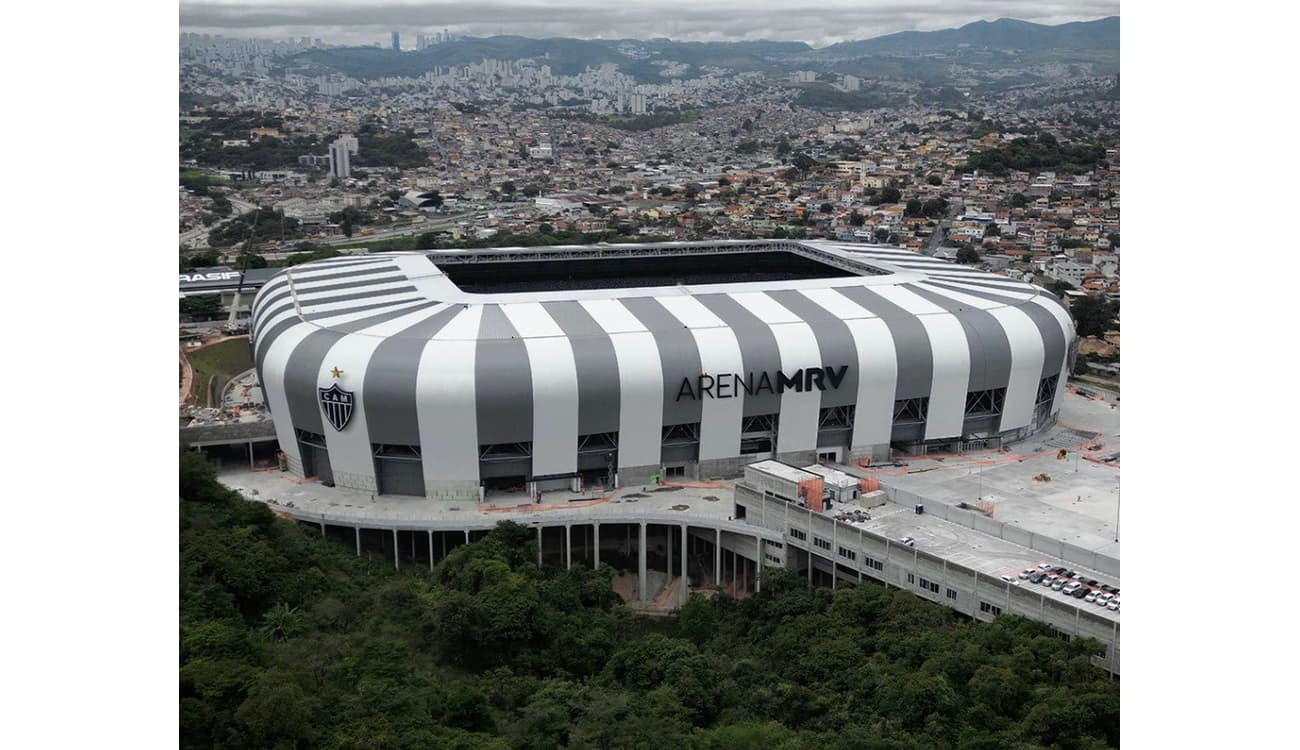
{"x":450,"y":374}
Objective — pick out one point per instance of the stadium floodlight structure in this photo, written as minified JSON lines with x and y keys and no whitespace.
{"x":444,"y":373}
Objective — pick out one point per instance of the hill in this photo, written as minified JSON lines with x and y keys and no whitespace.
{"x":637,"y":57}
{"x":287,"y":640}
{"x":1003,"y":34}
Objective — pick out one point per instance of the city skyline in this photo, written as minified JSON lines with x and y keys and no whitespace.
{"x":351,"y":23}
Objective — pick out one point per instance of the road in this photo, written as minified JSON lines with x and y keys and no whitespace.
{"x":940,"y":232}
{"x":441,"y":222}
{"x":197,"y":238}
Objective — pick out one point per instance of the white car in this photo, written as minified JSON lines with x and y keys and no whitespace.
{"x":1044,"y":566}
{"x":1090,"y":598}
{"x":1070,"y":587}
{"x":1104,"y":599}
{"x":1113,"y":605}
{"x":909,"y":541}
{"x":1049,"y":579}
{"x":1028,"y":572}
{"x":1058,"y":584}
{"x":1011,"y":580}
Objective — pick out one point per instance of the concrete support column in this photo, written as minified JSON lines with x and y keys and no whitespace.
{"x":467,"y":536}
{"x":250,"y":455}
{"x":322,"y":529}
{"x":595,"y":535}
{"x":568,"y":546}
{"x":430,"y":533}
{"x":717,"y":557}
{"x":668,"y":558}
{"x":640,"y":552}
{"x":539,"y":546}
{"x":685,"y":592}
{"x":357,"y":529}
{"x":397,"y":552}
{"x":758,"y":572}
{"x":862,"y":551}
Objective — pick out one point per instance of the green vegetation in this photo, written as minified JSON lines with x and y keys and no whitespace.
{"x":389,"y":150}
{"x":641,"y":123}
{"x":202,"y":306}
{"x":289,"y":641}
{"x":265,"y":224}
{"x":1093,"y":315}
{"x":825,"y":96}
{"x":225,"y":360}
{"x":200,"y":182}
{"x":1041,"y":153}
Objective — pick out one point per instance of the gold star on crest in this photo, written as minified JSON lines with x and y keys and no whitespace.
{"x":336,"y":372}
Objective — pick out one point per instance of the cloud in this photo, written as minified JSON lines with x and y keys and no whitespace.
{"x":823,"y":22}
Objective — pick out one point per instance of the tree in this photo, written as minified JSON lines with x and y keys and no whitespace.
{"x":827,"y":208}
{"x":914,"y":207}
{"x":890,"y":195}
{"x":856,"y":218}
{"x":1093,"y":315}
{"x":1018,"y":200}
{"x":934,"y":179}
{"x":934,"y":208}
{"x":968,"y":255}
{"x":508,"y":189}
{"x":881,"y":235}
{"x":282,"y":621}
{"x":992,"y":230}
{"x":1060,"y":287}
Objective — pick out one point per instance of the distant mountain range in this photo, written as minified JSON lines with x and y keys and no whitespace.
{"x":994,"y":43}
{"x":1003,"y":34}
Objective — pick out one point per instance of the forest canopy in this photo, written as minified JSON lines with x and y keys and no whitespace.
{"x":291,"y":641}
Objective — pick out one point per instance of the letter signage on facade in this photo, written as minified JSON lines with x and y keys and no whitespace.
{"x":731,"y":384}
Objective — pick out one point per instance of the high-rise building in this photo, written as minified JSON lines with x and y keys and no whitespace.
{"x":340,"y":159}
{"x":397,"y":43}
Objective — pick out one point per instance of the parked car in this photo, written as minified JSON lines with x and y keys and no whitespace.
{"x":1113,"y":605}
{"x":1109,"y":589}
{"x":1060,"y":569}
{"x":1090,"y":581}
{"x":1037,"y":577}
{"x":1103,"y":599}
{"x":1027,"y":572}
{"x":1091,"y":597}
{"x":1049,"y":579}
{"x":1080,"y":592}
{"x":1044,"y":566}
{"x":1011,"y":580}
{"x":1058,"y":584}
{"x":909,"y":541}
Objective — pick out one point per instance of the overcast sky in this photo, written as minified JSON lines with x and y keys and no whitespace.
{"x":818,"y":23}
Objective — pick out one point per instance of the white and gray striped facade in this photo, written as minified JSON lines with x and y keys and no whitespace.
{"x":451,"y":389}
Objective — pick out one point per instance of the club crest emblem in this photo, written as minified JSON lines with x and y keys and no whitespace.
{"x":337,"y":405}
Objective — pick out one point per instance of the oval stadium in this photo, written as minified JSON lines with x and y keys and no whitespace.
{"x":450,"y":374}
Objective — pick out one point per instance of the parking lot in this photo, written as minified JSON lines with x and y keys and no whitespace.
{"x":975,"y":549}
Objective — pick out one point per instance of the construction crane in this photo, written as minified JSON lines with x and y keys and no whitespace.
{"x":231,"y":326}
